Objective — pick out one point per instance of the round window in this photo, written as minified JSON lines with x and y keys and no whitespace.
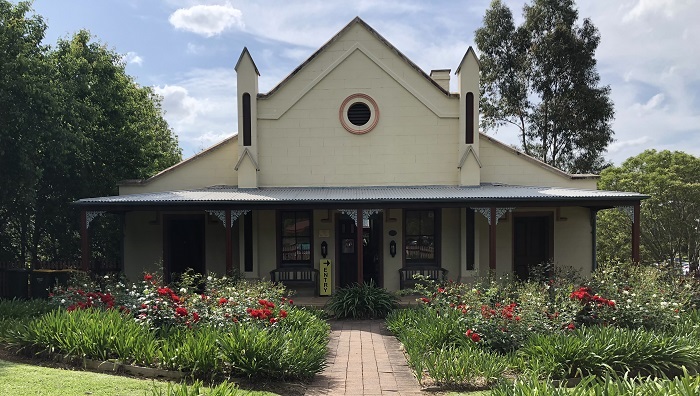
{"x":359,"y":114}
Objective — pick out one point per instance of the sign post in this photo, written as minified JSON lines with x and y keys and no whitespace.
{"x":326,"y":282}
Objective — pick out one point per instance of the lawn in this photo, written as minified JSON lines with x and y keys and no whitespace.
{"x":21,"y":379}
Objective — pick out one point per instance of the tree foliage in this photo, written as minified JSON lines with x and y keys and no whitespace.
{"x":670,"y":219}
{"x":541,"y":77}
{"x":73,"y":125}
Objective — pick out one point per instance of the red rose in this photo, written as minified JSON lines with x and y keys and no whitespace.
{"x":223,"y":300}
{"x":195,"y":317}
{"x":147,"y":277}
{"x":181,"y":311}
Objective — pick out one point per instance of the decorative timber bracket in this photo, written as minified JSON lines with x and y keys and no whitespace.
{"x":486,"y":212}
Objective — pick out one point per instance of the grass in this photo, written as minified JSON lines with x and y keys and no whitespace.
{"x":22,"y":379}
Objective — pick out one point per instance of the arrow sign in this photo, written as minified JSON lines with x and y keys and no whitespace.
{"x":326,"y":283}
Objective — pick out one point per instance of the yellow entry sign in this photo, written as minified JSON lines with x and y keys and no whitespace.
{"x":325,"y":285}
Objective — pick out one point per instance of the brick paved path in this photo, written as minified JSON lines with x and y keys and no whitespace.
{"x":364,"y":359}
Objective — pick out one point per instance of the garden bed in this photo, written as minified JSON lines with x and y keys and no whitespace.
{"x":624,"y":322}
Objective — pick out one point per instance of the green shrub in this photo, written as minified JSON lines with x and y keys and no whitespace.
{"x":601,"y":351}
{"x":197,"y":388}
{"x":22,"y":309}
{"x":644,"y":296}
{"x":292,"y":348}
{"x":296,"y":349}
{"x":191,"y":350}
{"x":362,"y":301}
{"x":463,"y":366}
{"x":685,"y":385}
{"x":15,"y":313}
{"x":92,"y":334}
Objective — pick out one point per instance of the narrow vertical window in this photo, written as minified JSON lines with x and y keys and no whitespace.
{"x":248,"y":242}
{"x":246,"y":119}
{"x":295,"y":227}
{"x":469,"y":138}
{"x":421,"y":237}
{"x":470,"y":239}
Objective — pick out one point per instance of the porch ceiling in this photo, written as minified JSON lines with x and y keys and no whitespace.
{"x":483,"y":195}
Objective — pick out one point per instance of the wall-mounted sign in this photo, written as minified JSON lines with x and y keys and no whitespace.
{"x":325,"y":287}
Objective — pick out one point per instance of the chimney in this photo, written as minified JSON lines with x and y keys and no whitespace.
{"x":442,"y":77}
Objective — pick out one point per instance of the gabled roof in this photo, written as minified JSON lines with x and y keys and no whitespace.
{"x":536,"y":161}
{"x":473,"y":53}
{"x":135,"y":182}
{"x":240,"y":58}
{"x":355,"y":21}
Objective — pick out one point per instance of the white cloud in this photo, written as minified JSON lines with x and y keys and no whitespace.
{"x":201,"y":107}
{"x":207,"y":20}
{"x":180,"y":108}
{"x":133,"y":57}
{"x":653,"y":8}
{"x":624,"y":144}
{"x":652,"y":103}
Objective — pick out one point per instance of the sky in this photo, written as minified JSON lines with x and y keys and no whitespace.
{"x":186,"y":50}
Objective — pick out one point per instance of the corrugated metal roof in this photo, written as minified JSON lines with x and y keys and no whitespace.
{"x":485,"y":192}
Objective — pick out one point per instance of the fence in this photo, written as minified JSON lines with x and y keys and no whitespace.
{"x":19,"y":281}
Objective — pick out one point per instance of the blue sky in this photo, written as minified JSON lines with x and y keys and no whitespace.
{"x":187,"y":49}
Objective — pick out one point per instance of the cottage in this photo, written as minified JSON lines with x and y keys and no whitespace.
{"x":361,"y":166}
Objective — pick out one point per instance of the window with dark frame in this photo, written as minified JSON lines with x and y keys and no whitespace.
{"x":421,"y":237}
{"x":248,"y":242}
{"x":296,"y":238}
{"x":470,"y":239}
{"x":469,"y":138}
{"x":246,"y":120}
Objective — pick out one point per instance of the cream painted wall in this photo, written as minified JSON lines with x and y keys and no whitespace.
{"x":214,"y":166}
{"x":450,"y":255}
{"x":308,"y":146}
{"x":215,"y":246}
{"x":143,"y":244}
{"x":572,"y":241}
{"x":392,"y":264}
{"x":265,"y":245}
{"x":503,"y":166}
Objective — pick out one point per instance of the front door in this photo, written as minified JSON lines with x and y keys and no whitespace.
{"x":348,"y":252}
{"x":183,"y":245}
{"x":532,"y":243}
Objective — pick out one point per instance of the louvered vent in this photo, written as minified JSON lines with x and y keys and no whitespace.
{"x":359,"y":114}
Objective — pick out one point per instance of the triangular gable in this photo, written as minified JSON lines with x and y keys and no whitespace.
{"x":469,"y":150}
{"x":471,"y":51}
{"x":133,"y":182}
{"x":246,"y":153}
{"x":357,"y":47}
{"x":536,"y":161}
{"x":240,"y":58}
